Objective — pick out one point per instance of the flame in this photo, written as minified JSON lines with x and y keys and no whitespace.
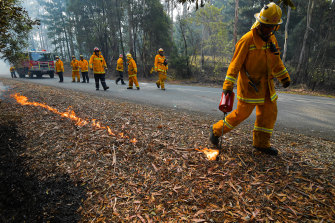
{"x":210,"y":153}
{"x":70,"y":114}
{"x":134,"y":141}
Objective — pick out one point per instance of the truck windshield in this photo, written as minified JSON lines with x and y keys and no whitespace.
{"x":40,"y":56}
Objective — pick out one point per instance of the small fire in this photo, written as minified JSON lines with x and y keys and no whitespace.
{"x":210,"y":153}
{"x":71,"y":115}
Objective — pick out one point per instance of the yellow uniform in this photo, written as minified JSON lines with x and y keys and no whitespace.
{"x":161,"y":69}
{"x":119,"y":64}
{"x":132,"y":73}
{"x":75,"y":70}
{"x":12,"y":68}
{"x":59,"y":66}
{"x":83,"y":64}
{"x":98,"y":64}
{"x":253,"y":57}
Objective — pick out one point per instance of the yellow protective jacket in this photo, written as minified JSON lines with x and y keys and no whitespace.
{"x":59,"y":66}
{"x":98,"y":64}
{"x":159,"y":64}
{"x":132,"y":68}
{"x":12,"y":68}
{"x":83,"y":64}
{"x":119,"y":64}
{"x":75,"y":65}
{"x":253,"y":55}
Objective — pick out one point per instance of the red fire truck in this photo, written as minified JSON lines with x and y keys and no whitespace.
{"x":37,"y":63}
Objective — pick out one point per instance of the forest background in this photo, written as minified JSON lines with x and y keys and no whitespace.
{"x":198,"y":36}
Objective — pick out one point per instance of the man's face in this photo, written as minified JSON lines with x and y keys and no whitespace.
{"x":96,"y":53}
{"x":267,"y":29}
{"x":81,"y":58}
{"x":161,"y":53}
{"x":73,"y":58}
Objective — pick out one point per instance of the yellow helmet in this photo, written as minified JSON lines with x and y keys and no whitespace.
{"x":270,"y":14}
{"x":128,"y":55}
{"x":160,"y":50}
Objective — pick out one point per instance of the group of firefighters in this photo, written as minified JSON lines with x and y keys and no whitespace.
{"x":98,"y":65}
{"x":256,"y":62}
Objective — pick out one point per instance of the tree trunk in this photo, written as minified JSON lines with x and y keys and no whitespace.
{"x":286,"y":33}
{"x":302,"y":53}
{"x":130,"y":27}
{"x":66,"y":39}
{"x":120,"y":30}
{"x":235,"y":22}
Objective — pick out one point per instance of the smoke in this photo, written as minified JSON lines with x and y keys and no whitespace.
{"x":4,"y":68}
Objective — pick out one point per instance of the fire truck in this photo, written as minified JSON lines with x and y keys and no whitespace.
{"x":37,"y":63}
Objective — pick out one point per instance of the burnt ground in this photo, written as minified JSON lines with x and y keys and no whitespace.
{"x":24,"y":197}
{"x":54,"y":170}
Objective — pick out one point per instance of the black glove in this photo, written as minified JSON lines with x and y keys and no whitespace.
{"x":165,"y":62}
{"x":286,"y":82}
{"x":227,"y":92}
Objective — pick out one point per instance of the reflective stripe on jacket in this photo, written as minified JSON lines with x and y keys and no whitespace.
{"x":159,"y":64}
{"x":59,"y":66}
{"x":119,"y":64}
{"x":83,"y":64}
{"x":253,"y":56}
{"x":98,"y":64}
{"x":75,"y":65}
{"x":132,"y":68}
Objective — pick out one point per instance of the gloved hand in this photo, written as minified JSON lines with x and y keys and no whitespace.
{"x":286,"y":82}
{"x":227,"y":92}
{"x":165,"y":62}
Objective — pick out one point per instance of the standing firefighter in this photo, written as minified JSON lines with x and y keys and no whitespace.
{"x":59,"y":68}
{"x":257,"y":61}
{"x":119,"y":69}
{"x":161,"y":67}
{"x":98,"y":64}
{"x":132,"y":72}
{"x":75,"y":69}
{"x":12,"y":71}
{"x":83,"y":64}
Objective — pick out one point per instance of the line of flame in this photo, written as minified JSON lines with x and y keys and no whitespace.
{"x":23,"y":100}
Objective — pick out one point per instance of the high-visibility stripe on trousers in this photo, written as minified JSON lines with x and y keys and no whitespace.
{"x":162,"y":78}
{"x":266,"y":115}
{"x":74,"y":75}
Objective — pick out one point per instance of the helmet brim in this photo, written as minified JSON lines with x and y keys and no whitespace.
{"x":259,"y":19}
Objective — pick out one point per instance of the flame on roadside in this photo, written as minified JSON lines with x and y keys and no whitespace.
{"x":70,"y":114}
{"x":210,"y":153}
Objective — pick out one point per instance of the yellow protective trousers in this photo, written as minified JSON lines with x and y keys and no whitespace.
{"x":266,"y":115}
{"x":161,"y":79}
{"x":133,"y":79}
{"x":74,"y":75}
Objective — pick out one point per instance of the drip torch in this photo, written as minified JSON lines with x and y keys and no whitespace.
{"x":226,"y":105}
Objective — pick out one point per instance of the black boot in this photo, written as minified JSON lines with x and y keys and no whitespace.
{"x":271,"y":151}
{"x":214,"y":139}
{"x":105,"y":88}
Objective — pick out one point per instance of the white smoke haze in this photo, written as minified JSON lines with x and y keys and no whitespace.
{"x":4,"y":68}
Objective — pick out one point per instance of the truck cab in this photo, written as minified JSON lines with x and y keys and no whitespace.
{"x":37,"y":63}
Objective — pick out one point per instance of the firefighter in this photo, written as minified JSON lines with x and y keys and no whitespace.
{"x":132,"y":72}
{"x":59,"y":68}
{"x":75,"y":69}
{"x":119,"y":68}
{"x":83,"y":64}
{"x":257,"y":61}
{"x":98,"y":65}
{"x":161,"y":67}
{"x":12,"y":71}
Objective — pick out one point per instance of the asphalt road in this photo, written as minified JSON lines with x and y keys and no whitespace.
{"x":308,"y":115}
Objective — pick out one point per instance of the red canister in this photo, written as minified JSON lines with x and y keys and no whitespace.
{"x":227,"y":102}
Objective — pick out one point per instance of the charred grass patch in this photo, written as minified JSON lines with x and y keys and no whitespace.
{"x":161,"y":177}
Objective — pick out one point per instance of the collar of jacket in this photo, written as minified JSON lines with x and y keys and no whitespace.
{"x":259,"y":43}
